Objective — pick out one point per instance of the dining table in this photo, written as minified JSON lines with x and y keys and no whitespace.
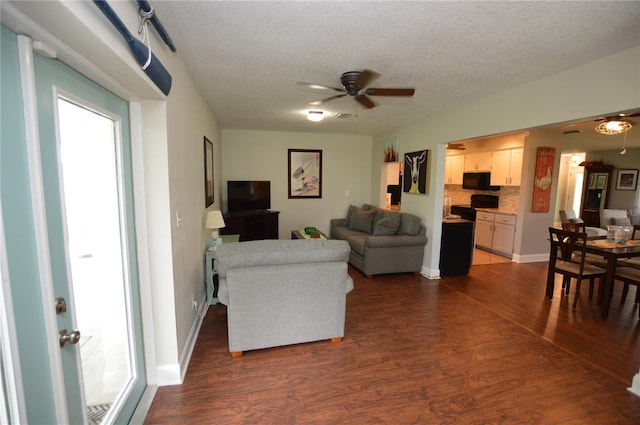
{"x":611,"y":252}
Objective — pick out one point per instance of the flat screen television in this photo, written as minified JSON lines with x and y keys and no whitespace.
{"x":248,"y":195}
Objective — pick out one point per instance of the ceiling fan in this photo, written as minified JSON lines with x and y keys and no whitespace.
{"x":356,"y":84}
{"x":620,"y":118}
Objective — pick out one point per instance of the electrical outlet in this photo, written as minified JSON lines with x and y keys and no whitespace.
{"x":194,"y":303}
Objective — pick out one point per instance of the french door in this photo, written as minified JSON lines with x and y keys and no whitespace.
{"x":88,"y":196}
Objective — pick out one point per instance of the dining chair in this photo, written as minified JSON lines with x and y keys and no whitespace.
{"x":590,"y":258}
{"x":567,"y":257}
{"x":632,"y":262}
{"x":629,"y":276}
{"x":628,"y":271}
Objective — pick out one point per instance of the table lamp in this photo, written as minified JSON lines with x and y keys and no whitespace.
{"x":214,"y":221}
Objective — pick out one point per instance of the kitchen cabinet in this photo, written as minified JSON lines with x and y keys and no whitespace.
{"x":454,"y":167}
{"x":504,"y":233}
{"x":506,"y":167}
{"x":484,"y":229}
{"x":496,"y":232}
{"x":479,"y":161}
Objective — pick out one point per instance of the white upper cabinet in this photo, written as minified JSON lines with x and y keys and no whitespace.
{"x":479,"y":161}
{"x":506,"y":167}
{"x":454,"y":167}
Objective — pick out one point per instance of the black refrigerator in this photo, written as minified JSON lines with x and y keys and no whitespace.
{"x":456,"y":247}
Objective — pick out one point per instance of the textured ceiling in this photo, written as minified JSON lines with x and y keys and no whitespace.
{"x":246,"y":56}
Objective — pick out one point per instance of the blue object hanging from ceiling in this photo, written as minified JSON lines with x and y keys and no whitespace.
{"x":148,"y":12}
{"x":143,"y":55}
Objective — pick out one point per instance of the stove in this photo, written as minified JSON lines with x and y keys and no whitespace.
{"x":468,"y":212}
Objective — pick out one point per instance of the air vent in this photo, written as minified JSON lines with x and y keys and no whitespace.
{"x":571,"y":132}
{"x":340,"y":115}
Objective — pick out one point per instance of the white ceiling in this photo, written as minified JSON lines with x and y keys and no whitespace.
{"x":246,"y":56}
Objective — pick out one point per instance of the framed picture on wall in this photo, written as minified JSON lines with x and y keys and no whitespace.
{"x":305,"y":173}
{"x":601,"y":182}
{"x":208,"y":173}
{"x":627,"y":180}
{"x":415,"y":174}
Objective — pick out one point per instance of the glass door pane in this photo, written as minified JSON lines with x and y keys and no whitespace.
{"x":91,"y":178}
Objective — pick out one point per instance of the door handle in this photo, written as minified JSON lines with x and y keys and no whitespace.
{"x":72,"y":338}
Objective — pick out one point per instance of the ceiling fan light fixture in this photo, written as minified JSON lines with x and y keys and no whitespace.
{"x":315,"y":116}
{"x":613,"y":127}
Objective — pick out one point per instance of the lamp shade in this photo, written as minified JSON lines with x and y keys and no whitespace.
{"x":214,"y":220}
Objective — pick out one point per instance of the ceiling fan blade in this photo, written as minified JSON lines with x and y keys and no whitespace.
{"x":364,"y":101}
{"x":367,"y":77}
{"x":319,"y":87}
{"x":320,"y":102}
{"x":390,"y":92}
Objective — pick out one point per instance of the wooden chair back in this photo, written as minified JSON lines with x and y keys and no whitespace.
{"x":575,"y":227}
{"x":567,"y":246}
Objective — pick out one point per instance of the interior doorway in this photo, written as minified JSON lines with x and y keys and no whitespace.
{"x":570,"y":184}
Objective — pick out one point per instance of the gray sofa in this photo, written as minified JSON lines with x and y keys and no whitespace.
{"x":281,"y":292}
{"x":381,"y":241}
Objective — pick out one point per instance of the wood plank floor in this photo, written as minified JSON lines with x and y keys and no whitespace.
{"x":477,"y":349}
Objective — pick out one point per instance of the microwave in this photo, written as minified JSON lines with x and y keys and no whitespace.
{"x":478,"y":181}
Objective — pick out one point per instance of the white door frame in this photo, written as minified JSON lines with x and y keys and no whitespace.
{"x":141,"y":232}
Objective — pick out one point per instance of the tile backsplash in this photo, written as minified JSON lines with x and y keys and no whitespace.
{"x":509,"y":195}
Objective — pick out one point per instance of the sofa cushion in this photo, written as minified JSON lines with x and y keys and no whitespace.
{"x":357,"y":243}
{"x":362,"y":220}
{"x":576,"y":220}
{"x":617,"y":221}
{"x":409,"y":225}
{"x":388,"y":226}
{"x":277,"y":252}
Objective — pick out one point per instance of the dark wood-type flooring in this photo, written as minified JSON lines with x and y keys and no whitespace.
{"x":485,"y":348}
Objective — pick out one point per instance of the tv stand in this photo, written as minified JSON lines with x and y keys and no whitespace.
{"x":251,"y":225}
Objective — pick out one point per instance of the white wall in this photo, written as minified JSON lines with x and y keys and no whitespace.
{"x":620,"y":199}
{"x":172,"y":134}
{"x":262,"y":155}
{"x":569,"y":95}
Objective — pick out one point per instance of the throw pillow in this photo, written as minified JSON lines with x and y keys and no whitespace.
{"x":387,"y":226}
{"x":410,"y":225}
{"x":352,"y":208}
{"x":621,"y":221}
{"x":362,"y":221}
{"x":576,"y":220}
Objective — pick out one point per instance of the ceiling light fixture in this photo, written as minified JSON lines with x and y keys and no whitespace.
{"x":315,"y":116}
{"x":613,"y":127}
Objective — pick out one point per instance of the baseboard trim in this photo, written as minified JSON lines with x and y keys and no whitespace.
{"x":173,"y":374}
{"x":433,"y":274}
{"x":531,"y":258}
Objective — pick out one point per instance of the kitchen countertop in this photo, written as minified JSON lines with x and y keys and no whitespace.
{"x":498,"y":210}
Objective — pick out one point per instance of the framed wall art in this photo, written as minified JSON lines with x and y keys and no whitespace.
{"x":208,"y":173}
{"x":415,"y":172}
{"x":305,"y":173}
{"x":627,"y":180}
{"x":542,"y":179}
{"x":391,"y":151}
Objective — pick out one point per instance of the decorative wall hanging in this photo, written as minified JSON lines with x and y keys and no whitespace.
{"x":415,"y":175}
{"x":305,"y":173}
{"x":142,"y":54}
{"x":542,"y":180}
{"x":208,"y":173}
{"x":627,"y":180}
{"x":391,"y":151}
